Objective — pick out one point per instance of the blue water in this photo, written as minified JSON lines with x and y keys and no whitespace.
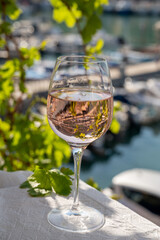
{"x":143,"y":151}
{"x":137,"y":31}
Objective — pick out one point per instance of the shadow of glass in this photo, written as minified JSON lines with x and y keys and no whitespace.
{"x":25,"y":217}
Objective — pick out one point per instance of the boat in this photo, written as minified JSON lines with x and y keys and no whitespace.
{"x":139,"y":190}
{"x":130,"y":57}
{"x":121,"y":7}
{"x":124,"y":7}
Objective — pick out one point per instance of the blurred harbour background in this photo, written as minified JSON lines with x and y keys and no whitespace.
{"x":130,"y":38}
{"x":131,"y":34}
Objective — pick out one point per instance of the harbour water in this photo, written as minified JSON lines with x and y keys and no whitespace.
{"x":137,"y":31}
{"x":141,"y":151}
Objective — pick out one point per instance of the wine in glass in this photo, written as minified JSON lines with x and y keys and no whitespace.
{"x":79,"y":110}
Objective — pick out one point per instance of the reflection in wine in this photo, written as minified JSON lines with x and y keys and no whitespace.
{"x":79,"y":117}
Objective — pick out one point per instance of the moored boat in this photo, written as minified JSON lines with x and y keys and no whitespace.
{"x":138,"y":189}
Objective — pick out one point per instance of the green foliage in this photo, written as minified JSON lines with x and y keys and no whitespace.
{"x":66,"y":12}
{"x":93,"y":184}
{"x":93,"y":23}
{"x":10,"y":8}
{"x":90,"y":50}
{"x":30,"y":55}
{"x":30,"y":142}
{"x":115,"y":125}
{"x":84,"y":14}
{"x":5,"y":27}
{"x":42,"y":181}
{"x":25,"y":138}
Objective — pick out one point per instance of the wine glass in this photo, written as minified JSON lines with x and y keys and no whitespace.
{"x":79,"y":110}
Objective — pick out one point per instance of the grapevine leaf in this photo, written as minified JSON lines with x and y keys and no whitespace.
{"x":92,"y":25}
{"x":91,"y":50}
{"x":99,"y":45}
{"x":14,"y":15}
{"x":25,"y":184}
{"x":2,"y":42}
{"x":37,"y":192}
{"x":66,"y":171}
{"x":92,"y":183}
{"x":66,"y":12}
{"x":12,"y":10}
{"x":43,"y":44}
{"x":30,"y":55}
{"x":4,"y":126}
{"x":5,"y":27}
{"x":101,"y":2}
{"x":60,"y":182}
{"x":42,"y":181}
{"x":115,"y":126}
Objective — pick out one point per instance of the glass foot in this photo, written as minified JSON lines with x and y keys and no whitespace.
{"x":86,"y":219}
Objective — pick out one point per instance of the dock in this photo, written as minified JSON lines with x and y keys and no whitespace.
{"x":140,"y":71}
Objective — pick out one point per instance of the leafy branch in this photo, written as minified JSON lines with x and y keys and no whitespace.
{"x":25,"y":137}
{"x":83,"y":14}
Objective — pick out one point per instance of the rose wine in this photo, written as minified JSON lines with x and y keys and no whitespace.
{"x":79,"y":117}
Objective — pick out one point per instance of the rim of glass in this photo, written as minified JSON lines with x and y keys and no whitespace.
{"x":78,"y":59}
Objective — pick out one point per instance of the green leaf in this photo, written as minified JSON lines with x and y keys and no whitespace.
{"x":117,"y":107}
{"x":25,"y":184}
{"x":22,"y":87}
{"x":5,"y":27}
{"x":43,"y":44}
{"x":16,"y":138}
{"x":4,"y":126}
{"x":2,"y":42}
{"x":66,"y":171}
{"x":106,"y":2}
{"x":86,"y":7}
{"x":99,"y":45}
{"x":15,"y":14}
{"x":92,"y":183}
{"x":91,"y":50}
{"x":30,"y":55}
{"x":92,"y":25}
{"x":8,"y":69}
{"x":60,"y":183}
{"x":101,"y":2}
{"x":37,"y":192}
{"x":42,"y":181}
{"x":115,"y":126}
{"x":12,"y":10}
{"x":66,"y":12}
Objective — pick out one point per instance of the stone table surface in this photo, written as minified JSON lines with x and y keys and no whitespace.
{"x":25,"y":218}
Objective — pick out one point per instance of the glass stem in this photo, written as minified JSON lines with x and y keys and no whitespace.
{"x":77,"y":155}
